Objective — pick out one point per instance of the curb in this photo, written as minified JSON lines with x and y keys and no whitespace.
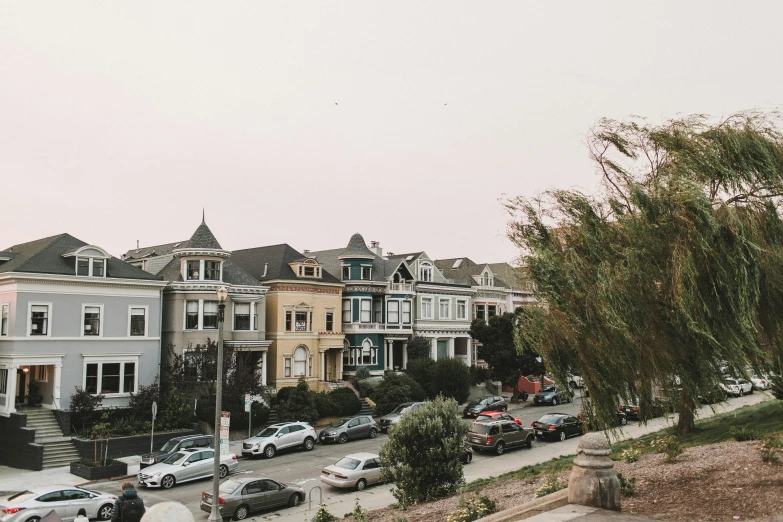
{"x":110,"y":479}
{"x":531,"y":509}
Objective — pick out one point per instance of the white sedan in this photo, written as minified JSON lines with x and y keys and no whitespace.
{"x":357,"y":471}
{"x":67,"y":501}
{"x":736,"y":387}
{"x":184,"y":466}
{"x":760,"y":382}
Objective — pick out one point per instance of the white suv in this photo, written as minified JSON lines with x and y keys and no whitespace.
{"x":280,"y":436}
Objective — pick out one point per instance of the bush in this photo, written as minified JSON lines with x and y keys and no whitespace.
{"x":366,"y":387}
{"x":360,"y":374}
{"x":627,"y":486}
{"x":668,"y":445}
{"x":359,"y":513}
{"x":551,"y":485}
{"x":323,"y":515}
{"x":325,"y":405}
{"x":141,"y":403}
{"x":174,"y":411}
{"x":479,"y":375}
{"x":422,"y":454}
{"x":418,"y":348}
{"x":744,"y":433}
{"x":451,"y":378}
{"x":299,"y":405}
{"x":83,"y":407}
{"x":421,"y":371}
{"x":769,"y":447}
{"x":631,"y":455}
{"x":474,"y":509}
{"x":776,"y":386}
{"x":346,"y":402}
{"x":394,"y":390}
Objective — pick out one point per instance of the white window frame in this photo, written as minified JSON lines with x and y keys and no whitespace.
{"x":362,"y":311}
{"x":3,"y":382}
{"x":100,"y":360}
{"x":5,"y":310}
{"x":373,"y":354}
{"x":288,"y":367}
{"x":199,"y":304}
{"x":101,"y":318}
{"x":429,"y":301}
{"x":447,"y":302}
{"x":90,"y":261}
{"x":409,"y":305}
{"x":38,"y":376}
{"x":234,"y":314}
{"x":464,"y":304}
{"x":369,"y":273}
{"x":343,"y":268}
{"x":425,"y":272}
{"x":146,"y":320}
{"x":49,"y":317}
{"x":294,"y":361}
{"x":398,"y":312}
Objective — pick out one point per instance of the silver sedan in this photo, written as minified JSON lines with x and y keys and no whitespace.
{"x":186,"y":465}
{"x":357,"y":470}
{"x":67,"y":501}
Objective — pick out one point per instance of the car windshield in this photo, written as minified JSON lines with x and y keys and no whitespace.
{"x":176,"y":458}
{"x":550,"y":419}
{"x":401,"y":407}
{"x":169,"y":446}
{"x":484,"y":417}
{"x":548,"y":389}
{"x":480,"y":428}
{"x":338,"y":423}
{"x":269,"y":432}
{"x":24,"y":496}
{"x":348,"y":463}
{"x":729,"y":382}
{"x":229,"y":486}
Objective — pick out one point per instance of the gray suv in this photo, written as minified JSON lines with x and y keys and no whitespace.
{"x":343,"y":430}
{"x":174,"y":445}
{"x":390,"y":419}
{"x":499,"y":435}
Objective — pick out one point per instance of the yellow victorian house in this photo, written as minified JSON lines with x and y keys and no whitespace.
{"x":303,"y":320}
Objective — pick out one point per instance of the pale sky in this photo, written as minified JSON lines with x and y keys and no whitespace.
{"x":304,"y":122}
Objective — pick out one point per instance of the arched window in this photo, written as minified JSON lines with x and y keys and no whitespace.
{"x":300,"y":361}
{"x":425,"y":272}
{"x":369,"y":354}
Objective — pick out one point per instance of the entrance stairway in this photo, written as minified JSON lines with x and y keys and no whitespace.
{"x":58,"y":450}
{"x":366,"y":408}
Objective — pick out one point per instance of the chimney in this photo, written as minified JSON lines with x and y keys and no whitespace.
{"x":266,"y":266}
{"x":306,"y":252}
{"x":376,"y":249}
{"x":137,"y":244}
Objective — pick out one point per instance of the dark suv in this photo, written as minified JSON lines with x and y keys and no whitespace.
{"x":499,"y":435}
{"x":487,"y":403}
{"x":174,"y":445}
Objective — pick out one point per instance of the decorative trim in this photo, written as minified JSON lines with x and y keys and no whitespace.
{"x":307,"y":289}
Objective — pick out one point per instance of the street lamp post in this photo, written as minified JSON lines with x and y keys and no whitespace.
{"x":214,"y":516}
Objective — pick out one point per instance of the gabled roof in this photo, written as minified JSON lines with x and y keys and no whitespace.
{"x":275,"y":260}
{"x":407,"y":257}
{"x":45,"y":256}
{"x":505,"y":275}
{"x":382,"y":269}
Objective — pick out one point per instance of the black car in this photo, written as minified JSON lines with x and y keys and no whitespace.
{"x":589,"y":419}
{"x":551,"y":394}
{"x":486,"y":403}
{"x":557,"y":426}
{"x":174,"y":445}
{"x":657,"y":408}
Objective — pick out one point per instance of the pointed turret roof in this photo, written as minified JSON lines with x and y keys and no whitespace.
{"x":357,"y":246}
{"x":204,"y":238}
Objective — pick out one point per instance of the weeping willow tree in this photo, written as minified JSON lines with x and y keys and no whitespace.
{"x":671,"y":272}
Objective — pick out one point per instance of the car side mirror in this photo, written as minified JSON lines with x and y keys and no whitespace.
{"x":185,"y":464}
{"x":282,"y":488}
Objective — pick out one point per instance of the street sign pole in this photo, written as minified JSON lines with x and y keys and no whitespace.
{"x":152,"y":435}
{"x":249,"y":410}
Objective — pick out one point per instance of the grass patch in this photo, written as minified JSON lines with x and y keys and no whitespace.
{"x":555,"y":465}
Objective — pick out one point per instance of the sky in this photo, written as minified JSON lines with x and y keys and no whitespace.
{"x":305,"y":122}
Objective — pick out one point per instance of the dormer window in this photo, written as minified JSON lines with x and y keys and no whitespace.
{"x":203,"y":270}
{"x":346,"y":273}
{"x":308,"y":268}
{"x":90,"y":267}
{"x":211,"y":270}
{"x":486,"y":279}
{"x":425,"y":272}
{"x":366,"y":273}
{"x":193,"y":270}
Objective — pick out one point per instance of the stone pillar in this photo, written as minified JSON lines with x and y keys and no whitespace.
{"x":264,"y":355}
{"x":404,"y":355}
{"x":469,"y":346}
{"x":434,"y":348}
{"x":58,"y":374}
{"x":10,"y":396}
{"x":323,"y":366}
{"x":451,"y":347}
{"x":593,"y":481}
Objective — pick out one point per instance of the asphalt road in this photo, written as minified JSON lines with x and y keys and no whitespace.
{"x":304,"y":467}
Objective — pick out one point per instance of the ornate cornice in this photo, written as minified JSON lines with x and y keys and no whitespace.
{"x":306,"y":289}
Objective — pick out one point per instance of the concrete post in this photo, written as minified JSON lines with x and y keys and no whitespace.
{"x":434,"y":348}
{"x":593,"y":481}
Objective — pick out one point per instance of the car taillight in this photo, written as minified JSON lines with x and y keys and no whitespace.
{"x":234,"y":457}
{"x":340,"y":476}
{"x":324,"y":472}
{"x":203,"y":495}
{"x":635,"y":409}
{"x":533,"y":424}
{"x":11,"y":511}
{"x":552,"y":428}
{"x":489,"y":440}
{"x":221,"y":500}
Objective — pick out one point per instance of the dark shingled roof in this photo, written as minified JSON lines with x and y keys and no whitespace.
{"x":382,"y":269}
{"x":412,"y":255}
{"x":157,"y":250}
{"x":232,"y":274}
{"x":45,"y":256}
{"x":203,"y":238}
{"x":357,"y":246}
{"x":277,"y":259}
{"x":505,"y":275}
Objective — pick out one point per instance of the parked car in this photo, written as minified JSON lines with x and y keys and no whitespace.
{"x":393,"y":417}
{"x":499,"y":435}
{"x":343,"y":430}
{"x":67,"y":501}
{"x":276,"y":437}
{"x":357,"y":471}
{"x":184,"y":466}
{"x":575,"y":380}
{"x":589,"y":419}
{"x":496,"y":415}
{"x":736,"y":387}
{"x":760,"y":382}
{"x":485,"y":403}
{"x":241,"y":496}
{"x":557,"y":426}
{"x":551,"y":395}
{"x":657,"y":408}
{"x":174,"y":445}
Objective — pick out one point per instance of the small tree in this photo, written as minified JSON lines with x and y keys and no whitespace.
{"x":83,"y":406}
{"x":419,"y":347}
{"x":101,"y":433}
{"x":422,"y":455}
{"x":299,"y":405}
{"x":394,"y":390}
{"x":451,"y":378}
{"x":175,"y":412}
{"x":421,"y":371}
{"x":141,"y":402}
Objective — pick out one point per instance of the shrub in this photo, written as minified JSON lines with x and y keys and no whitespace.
{"x":325,"y":405}
{"x":83,"y":406}
{"x":422,"y":454}
{"x":474,"y":509}
{"x":776,"y":386}
{"x":323,"y":515}
{"x":346,"y":402}
{"x":360,"y":514}
{"x":174,"y":411}
{"x":393,"y":391}
{"x":299,"y":405}
{"x":360,"y":374}
{"x":451,"y":378}
{"x":401,"y":519}
{"x":366,"y":387}
{"x":631,"y":455}
{"x":668,"y":445}
{"x":769,"y":447}
{"x":479,"y":375}
{"x":551,"y":485}
{"x":141,"y":403}
{"x":418,"y":348}
{"x":421,"y":371}
{"x":744,"y":433}
{"x":627,"y":486}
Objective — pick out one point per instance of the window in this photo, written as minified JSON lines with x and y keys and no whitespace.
{"x":366,"y":273}
{"x":301,"y":321}
{"x":138,"y":322}
{"x":310,"y":366}
{"x":129,"y":377}
{"x":97,"y":267}
{"x":346,"y":273}
{"x":41,"y":374}
{"x":329,"y":321}
{"x":92,"y":320}
{"x":393,"y":312}
{"x":480,"y":311}
{"x":462,"y":309}
{"x":287,"y":363}
{"x":426,"y":308}
{"x":444,"y":309}
{"x":191,"y":315}
{"x":347,"y":356}
{"x":425,"y":272}
{"x":212,"y":270}
{"x":3,"y":381}
{"x":39,"y":319}
{"x":241,"y":316}
{"x":369,"y":354}
{"x":347,"y":311}
{"x":193,"y":270}
{"x":300,"y":361}
{"x":406,"y":312}
{"x":110,"y":377}
{"x":365,"y":310}
{"x":89,"y":266}
{"x":378,"y":310}
{"x":309,"y":271}
{"x":288,"y":316}
{"x":210,"y":315}
{"x":491,"y":311}
{"x":83,"y":267}
{"x":4,"y":320}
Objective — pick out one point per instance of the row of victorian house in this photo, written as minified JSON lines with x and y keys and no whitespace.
{"x":74,"y":316}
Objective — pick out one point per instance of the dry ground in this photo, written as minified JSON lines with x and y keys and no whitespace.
{"x":707,"y":483}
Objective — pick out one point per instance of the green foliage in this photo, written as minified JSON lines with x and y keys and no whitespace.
{"x":174,"y":412}
{"x":769,"y":449}
{"x":359,"y":514}
{"x":346,"y":401}
{"x":479,"y":375}
{"x":472,"y":509}
{"x":421,"y":371}
{"x":776,"y":387}
{"x":299,"y":405}
{"x":418,"y":348}
{"x":552,"y":484}
{"x":141,"y":402}
{"x":672,"y":269}
{"x":631,"y":455}
{"x":366,"y":387}
{"x":668,"y":445}
{"x":743,"y":433}
{"x":422,"y":455}
{"x":360,"y":374}
{"x":324,"y":405}
{"x":451,"y":378}
{"x":394,"y":390}
{"x":401,"y":519}
{"x":323,"y":515}
{"x":83,"y":406}
{"x":627,"y":485}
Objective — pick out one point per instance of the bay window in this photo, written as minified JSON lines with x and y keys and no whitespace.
{"x":211,"y":270}
{"x":378,"y":310}
{"x":241,"y":316}
{"x":110,"y":377}
{"x":346,"y":273}
{"x":426,"y":308}
{"x":210,"y":315}
{"x":366,"y":273}
{"x":3,"y":381}
{"x":461,"y":309}
{"x":39,"y":319}
{"x":4,"y":320}
{"x":288,"y":316}
{"x":193,"y":270}
{"x":480,"y":311}
{"x":347,"y":311}
{"x":406,"y":312}
{"x":368,"y":354}
{"x":392,"y":312}
{"x":492,"y":311}
{"x":366,"y":307}
{"x":444,"y":309}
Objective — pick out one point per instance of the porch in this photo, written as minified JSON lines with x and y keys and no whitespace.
{"x":29,"y":380}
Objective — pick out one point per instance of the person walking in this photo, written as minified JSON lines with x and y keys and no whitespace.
{"x":128,"y":507}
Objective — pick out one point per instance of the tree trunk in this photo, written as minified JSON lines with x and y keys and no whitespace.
{"x":515,"y":394}
{"x":685,"y":424}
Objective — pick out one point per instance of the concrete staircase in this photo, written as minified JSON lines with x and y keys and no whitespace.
{"x":366,"y":408}
{"x":58,"y":450}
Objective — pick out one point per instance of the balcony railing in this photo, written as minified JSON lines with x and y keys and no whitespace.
{"x":348,"y":327}
{"x":400,"y":287}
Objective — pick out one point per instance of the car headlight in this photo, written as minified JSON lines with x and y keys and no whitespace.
{"x":155,"y":475}
{"x":395,"y":421}
{"x":256,"y":445}
{"x":331,"y":433}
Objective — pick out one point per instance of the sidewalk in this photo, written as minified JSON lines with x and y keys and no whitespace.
{"x":579,"y":513}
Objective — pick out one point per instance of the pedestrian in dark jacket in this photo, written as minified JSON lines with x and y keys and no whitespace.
{"x":128,"y":507}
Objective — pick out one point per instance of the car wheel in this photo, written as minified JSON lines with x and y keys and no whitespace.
{"x":294,"y":500}
{"x":343,"y":438}
{"x":562,"y":436}
{"x":373,"y":433}
{"x":529,"y":443}
{"x":555,"y":402}
{"x":361,"y":484}
{"x":741,"y":393}
{"x":524,"y":397}
{"x":241,"y":512}
{"x":500,"y":448}
{"x":33,"y":519}
{"x":623,"y":421}
{"x":223,"y":471}
{"x":309,"y":444}
{"x":269,"y":451}
{"x":168,"y":482}
{"x":751,"y":390}
{"x":467,"y":459}
{"x":105,"y":512}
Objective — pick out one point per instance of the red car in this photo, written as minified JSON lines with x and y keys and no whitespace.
{"x":496,"y":415}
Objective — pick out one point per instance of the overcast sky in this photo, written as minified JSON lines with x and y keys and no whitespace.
{"x":304,"y":122}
